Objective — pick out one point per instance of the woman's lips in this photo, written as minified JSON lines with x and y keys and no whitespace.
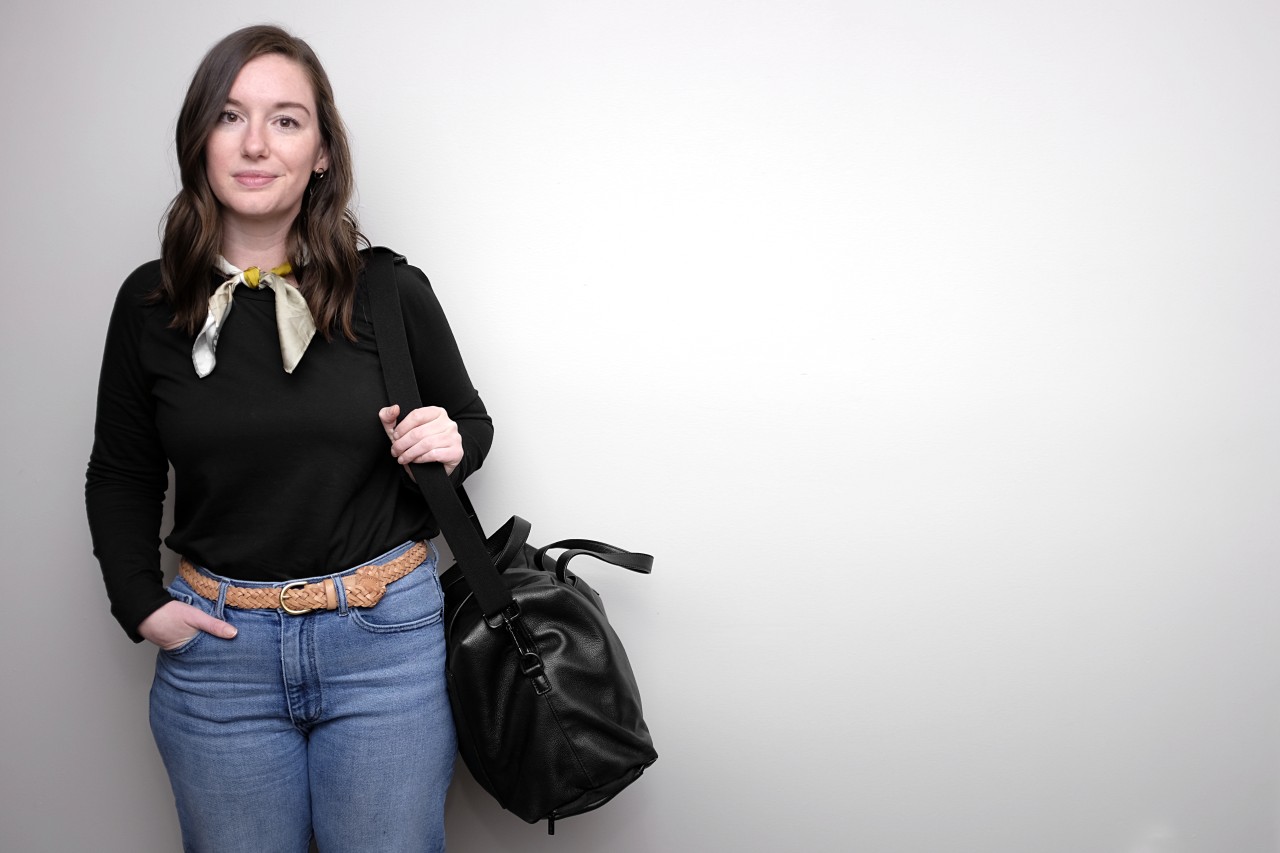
{"x":254,"y":180}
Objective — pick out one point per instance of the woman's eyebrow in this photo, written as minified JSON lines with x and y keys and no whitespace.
{"x":282,"y":105}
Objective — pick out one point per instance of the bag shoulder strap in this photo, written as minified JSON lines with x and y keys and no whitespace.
{"x":397,"y":371}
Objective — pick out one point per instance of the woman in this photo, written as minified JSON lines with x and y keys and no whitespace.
{"x":292,"y":696}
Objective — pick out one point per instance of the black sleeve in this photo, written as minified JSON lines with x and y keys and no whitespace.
{"x":437,"y":363}
{"x":128,"y":469}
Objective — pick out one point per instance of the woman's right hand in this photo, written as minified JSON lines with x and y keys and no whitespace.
{"x":175,"y":623}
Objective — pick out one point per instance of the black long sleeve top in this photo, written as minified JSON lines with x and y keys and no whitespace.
{"x":276,"y":476}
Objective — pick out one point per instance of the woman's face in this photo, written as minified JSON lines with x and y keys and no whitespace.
{"x":261,"y":153}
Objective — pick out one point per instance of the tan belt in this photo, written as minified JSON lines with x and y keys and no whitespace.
{"x":365,"y":587}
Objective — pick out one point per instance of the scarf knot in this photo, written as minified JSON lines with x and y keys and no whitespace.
{"x":294,"y":323}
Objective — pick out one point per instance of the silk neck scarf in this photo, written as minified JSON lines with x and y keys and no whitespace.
{"x":294,"y":323}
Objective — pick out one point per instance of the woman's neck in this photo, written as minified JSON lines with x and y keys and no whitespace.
{"x":265,"y":248}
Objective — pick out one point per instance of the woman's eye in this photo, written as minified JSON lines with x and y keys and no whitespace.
{"x":227,"y":117}
{"x":287,"y":122}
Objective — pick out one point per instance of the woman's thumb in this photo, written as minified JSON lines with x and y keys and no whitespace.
{"x":217,"y":627}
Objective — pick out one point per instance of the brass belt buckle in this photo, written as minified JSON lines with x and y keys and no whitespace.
{"x":286,"y":608}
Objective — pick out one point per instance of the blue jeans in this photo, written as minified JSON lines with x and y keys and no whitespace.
{"x":335,"y":722}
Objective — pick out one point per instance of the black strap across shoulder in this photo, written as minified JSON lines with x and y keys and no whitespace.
{"x":550,"y":728}
{"x":397,"y":370}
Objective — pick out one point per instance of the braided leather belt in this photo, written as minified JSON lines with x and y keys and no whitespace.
{"x":364,"y":587}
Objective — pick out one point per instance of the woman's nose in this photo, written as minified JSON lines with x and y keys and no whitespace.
{"x":254,"y":142}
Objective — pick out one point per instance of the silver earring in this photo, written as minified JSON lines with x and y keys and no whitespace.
{"x":318,"y":173}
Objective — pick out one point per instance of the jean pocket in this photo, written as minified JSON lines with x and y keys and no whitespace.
{"x":180,"y":591}
{"x":414,"y":601}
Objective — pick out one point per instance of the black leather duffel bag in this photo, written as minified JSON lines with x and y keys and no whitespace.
{"x":544,"y":700}
{"x":547,"y":708}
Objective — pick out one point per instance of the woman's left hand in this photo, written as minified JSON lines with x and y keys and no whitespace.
{"x":425,"y":435}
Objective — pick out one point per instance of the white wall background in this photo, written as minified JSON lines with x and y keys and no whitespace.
{"x":930,"y":347}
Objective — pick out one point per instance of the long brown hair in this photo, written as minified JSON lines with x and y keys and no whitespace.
{"x":325,"y":239}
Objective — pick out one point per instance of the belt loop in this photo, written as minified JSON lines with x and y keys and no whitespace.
{"x":340,"y":588}
{"x":221,"y":604}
